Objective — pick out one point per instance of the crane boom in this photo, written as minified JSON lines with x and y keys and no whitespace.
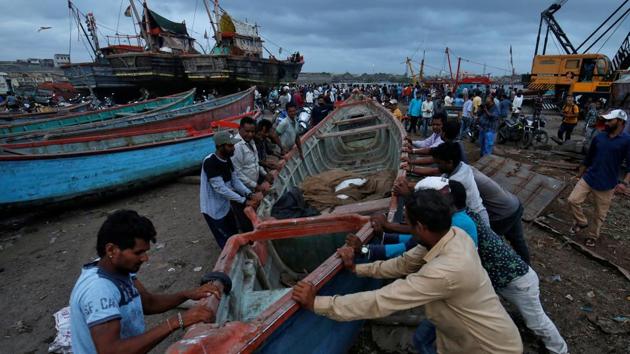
{"x":554,"y":27}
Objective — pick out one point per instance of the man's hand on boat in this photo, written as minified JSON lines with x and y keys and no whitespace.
{"x":204,"y":291}
{"x":199,"y":313}
{"x":263,"y":187}
{"x":378,"y":221}
{"x":346,"y":253}
{"x":304,"y":294}
{"x":354,"y":242}
{"x":254,"y":200}
{"x":401,"y":187}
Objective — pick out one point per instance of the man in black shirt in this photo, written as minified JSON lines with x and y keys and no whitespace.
{"x":220,"y":187}
{"x":320,"y":111}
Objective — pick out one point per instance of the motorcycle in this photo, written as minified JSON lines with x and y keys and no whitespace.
{"x":304,"y":120}
{"x":534,"y":133}
{"x":511,"y":129}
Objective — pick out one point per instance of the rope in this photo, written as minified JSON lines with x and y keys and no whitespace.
{"x":613,"y":32}
{"x":119,"y":12}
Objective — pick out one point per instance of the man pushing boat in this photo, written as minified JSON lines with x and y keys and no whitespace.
{"x":108,"y":302}
{"x":443,"y":273}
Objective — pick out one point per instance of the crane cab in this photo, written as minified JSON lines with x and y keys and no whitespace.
{"x":587,"y":75}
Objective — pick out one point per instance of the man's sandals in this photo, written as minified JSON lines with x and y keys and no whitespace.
{"x":577,"y":229}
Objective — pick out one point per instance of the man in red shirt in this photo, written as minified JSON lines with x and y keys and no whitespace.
{"x":297,"y":99}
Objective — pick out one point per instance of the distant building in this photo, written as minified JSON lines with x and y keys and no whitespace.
{"x":61,"y":60}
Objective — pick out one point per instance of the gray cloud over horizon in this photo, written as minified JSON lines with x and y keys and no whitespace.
{"x":334,"y":36}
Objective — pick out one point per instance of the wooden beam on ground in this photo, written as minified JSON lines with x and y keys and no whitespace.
{"x":585,"y":250}
{"x":355,"y":120}
{"x":356,"y":131}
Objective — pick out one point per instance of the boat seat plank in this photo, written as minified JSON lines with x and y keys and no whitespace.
{"x":363,"y":208}
{"x":355,"y":120}
{"x":353,"y":131}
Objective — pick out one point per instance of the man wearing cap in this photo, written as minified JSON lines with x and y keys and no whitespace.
{"x":220,"y":186}
{"x":599,"y":172}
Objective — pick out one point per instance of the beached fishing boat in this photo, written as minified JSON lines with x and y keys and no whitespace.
{"x":258,"y":315}
{"x":51,"y":171}
{"x":7,"y":132}
{"x":198,"y":116}
{"x":14,"y":117}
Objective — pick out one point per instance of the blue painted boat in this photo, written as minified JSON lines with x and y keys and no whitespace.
{"x":259,"y":315}
{"x":44,"y":172}
{"x":155,"y":105}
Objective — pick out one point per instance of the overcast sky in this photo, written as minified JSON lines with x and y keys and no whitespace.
{"x":334,"y":36}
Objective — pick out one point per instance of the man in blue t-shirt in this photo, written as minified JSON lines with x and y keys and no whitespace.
{"x":108,"y":302}
{"x":599,"y":174}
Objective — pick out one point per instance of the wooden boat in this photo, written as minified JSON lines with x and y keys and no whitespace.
{"x":9,"y":117}
{"x":50,"y":171}
{"x":259,"y":315}
{"x":155,"y":105}
{"x":199,"y":116}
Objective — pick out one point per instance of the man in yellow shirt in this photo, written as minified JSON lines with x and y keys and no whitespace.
{"x":570,"y":113}
{"x":395,"y":109}
{"x":443,"y":273}
{"x":476,"y":101}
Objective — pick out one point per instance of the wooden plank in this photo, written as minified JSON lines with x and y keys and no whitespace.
{"x":355,"y":120}
{"x":353,"y":131}
{"x":534,"y":190}
{"x":363,"y":208}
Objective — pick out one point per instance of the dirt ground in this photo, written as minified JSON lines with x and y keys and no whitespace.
{"x":40,"y":261}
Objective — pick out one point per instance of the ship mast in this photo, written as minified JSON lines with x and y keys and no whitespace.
{"x":143,"y":31}
{"x":212,"y":21}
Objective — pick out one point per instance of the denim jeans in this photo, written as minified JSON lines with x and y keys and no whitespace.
{"x":223,"y":228}
{"x":465,"y":127}
{"x":424,"y":338}
{"x":486,"y":141}
{"x":426,"y":121}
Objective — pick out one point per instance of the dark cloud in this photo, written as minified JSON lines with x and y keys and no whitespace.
{"x":334,"y":36}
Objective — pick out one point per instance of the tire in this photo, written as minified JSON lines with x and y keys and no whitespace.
{"x":526,"y":140}
{"x":540,"y":138}
{"x":501,"y":138}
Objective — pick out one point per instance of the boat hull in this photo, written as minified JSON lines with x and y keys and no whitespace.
{"x":94,"y":76}
{"x":239,"y":70}
{"x":36,"y":180}
{"x":306,"y":332}
{"x":14,"y":131}
{"x":196,"y":117}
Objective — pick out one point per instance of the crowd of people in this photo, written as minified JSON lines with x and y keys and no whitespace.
{"x":459,"y":246}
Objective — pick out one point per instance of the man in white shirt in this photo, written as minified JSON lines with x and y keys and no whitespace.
{"x":448,"y":157}
{"x":517,"y":103}
{"x":245,"y":158}
{"x":448,"y":100}
{"x":427,"y":114}
{"x":309,"y":97}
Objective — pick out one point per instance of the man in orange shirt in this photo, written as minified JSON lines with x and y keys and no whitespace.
{"x":570,"y":113}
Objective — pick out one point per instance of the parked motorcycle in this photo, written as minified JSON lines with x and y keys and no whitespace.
{"x":304,"y":120}
{"x":534,"y":133}
{"x":511,"y":129}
